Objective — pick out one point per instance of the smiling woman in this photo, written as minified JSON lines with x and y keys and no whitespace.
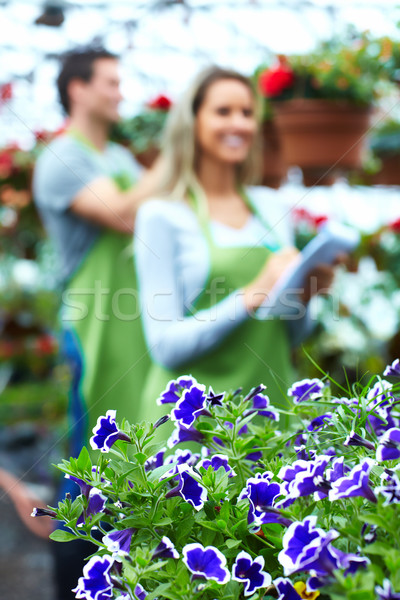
{"x":209,"y":252}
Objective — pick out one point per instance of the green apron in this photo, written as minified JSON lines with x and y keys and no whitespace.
{"x":257,"y":351}
{"x":102,"y":310}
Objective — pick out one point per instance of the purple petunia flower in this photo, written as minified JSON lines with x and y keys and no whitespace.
{"x":174,"y":389}
{"x":392,"y":370}
{"x":386,"y":592}
{"x":319,"y":422}
{"x":95,"y":505}
{"x":140,"y":592}
{"x":262,"y":494}
{"x":119,"y":542}
{"x":96,"y":581}
{"x":307,"y":477}
{"x":355,"y":483}
{"x":216,"y":461}
{"x":286,"y":589}
{"x":353,"y":439}
{"x":165,"y":549}
{"x":306,"y":389}
{"x":304,"y":547}
{"x":261,"y":405}
{"x":189,"y":488}
{"x":180,"y":457}
{"x":207,"y":562}
{"x":43,"y":512}
{"x":155,"y":461}
{"x":391,"y":490}
{"x":250,"y":573}
{"x":389,"y":445}
{"x":190,"y":406}
{"x":106,"y":433}
{"x":183,"y":434}
{"x":254,"y":391}
{"x":215,"y":399}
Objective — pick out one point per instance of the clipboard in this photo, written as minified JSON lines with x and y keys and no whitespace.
{"x":333,"y":239}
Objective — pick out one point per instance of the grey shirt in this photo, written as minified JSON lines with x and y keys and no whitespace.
{"x":63,"y":169}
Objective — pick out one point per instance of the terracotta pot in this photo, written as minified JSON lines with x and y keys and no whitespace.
{"x":273,"y":168}
{"x":323,"y":137}
{"x":390,"y":172}
{"x":147,"y":158}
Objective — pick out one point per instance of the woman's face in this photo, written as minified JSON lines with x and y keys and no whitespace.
{"x":225,"y":122}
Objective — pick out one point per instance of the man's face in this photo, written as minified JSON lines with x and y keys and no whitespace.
{"x":101,"y":95}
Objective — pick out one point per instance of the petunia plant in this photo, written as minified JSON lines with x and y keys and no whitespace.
{"x":230,"y":506}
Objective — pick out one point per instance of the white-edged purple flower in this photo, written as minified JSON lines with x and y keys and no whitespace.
{"x":191,"y":405}
{"x":85,"y":487}
{"x":96,"y":581}
{"x":96,"y":503}
{"x":304,"y":547}
{"x":215,"y":399}
{"x":285,"y":589}
{"x":165,"y":549}
{"x":391,"y":490}
{"x":174,"y":389}
{"x":306,"y":389}
{"x":337,"y":469}
{"x":386,"y":591}
{"x":353,"y":439}
{"x":118,"y":542}
{"x":207,"y":562}
{"x":319,"y":422}
{"x":140,"y":592}
{"x":217,"y":461}
{"x":307,"y":478}
{"x":250,"y":573}
{"x":43,"y":512}
{"x":155,"y":461}
{"x":389,"y":445}
{"x":262,"y":404}
{"x":106,"y":432}
{"x":262,"y":494}
{"x":355,"y":483}
{"x":180,"y":457}
{"x":189,"y":488}
{"x":181,"y":435}
{"x":392,"y":370}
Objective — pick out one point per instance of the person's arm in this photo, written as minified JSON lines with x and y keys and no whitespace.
{"x":102,"y":202}
{"x":173,"y":337}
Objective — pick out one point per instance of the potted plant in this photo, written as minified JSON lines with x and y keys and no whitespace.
{"x":142,"y":133}
{"x":323,"y":102}
{"x":249,"y":511}
{"x":385,"y":148}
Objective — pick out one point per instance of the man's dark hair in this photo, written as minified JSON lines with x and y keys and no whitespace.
{"x":78,"y":65}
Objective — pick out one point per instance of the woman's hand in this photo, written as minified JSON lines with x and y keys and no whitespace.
{"x":320,"y":279}
{"x":276,"y":265}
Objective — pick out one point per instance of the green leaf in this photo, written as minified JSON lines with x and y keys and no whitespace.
{"x":59,"y":535}
{"x":159,"y":591}
{"x":375,"y":520}
{"x":233,"y":543}
{"x":140,"y":457}
{"x":84,"y":463}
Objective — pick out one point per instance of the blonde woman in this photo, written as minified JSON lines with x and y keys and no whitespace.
{"x":210,"y":251}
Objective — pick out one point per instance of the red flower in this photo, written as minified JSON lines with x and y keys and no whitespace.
{"x":6,"y":164}
{"x":45,"y":344}
{"x":395,"y":225}
{"x":320,"y":220}
{"x":160,"y":103}
{"x":302,"y":215}
{"x":274,"y":81}
{"x":6,"y":92}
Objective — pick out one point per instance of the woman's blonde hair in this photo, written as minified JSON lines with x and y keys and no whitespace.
{"x":179,"y":141}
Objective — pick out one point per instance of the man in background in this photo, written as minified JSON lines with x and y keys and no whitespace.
{"x":87,"y":191}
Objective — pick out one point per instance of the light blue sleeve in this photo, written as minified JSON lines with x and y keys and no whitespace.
{"x":61,"y":172}
{"x":172,"y":337}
